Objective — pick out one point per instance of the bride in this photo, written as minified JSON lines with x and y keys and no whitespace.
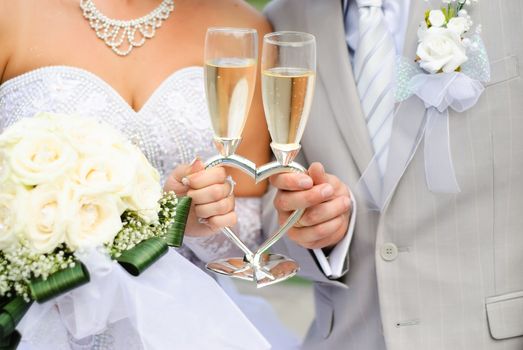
{"x":149,"y":84}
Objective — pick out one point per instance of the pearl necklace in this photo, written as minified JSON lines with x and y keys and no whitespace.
{"x":123,"y":36}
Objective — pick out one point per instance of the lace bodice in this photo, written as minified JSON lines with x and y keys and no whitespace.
{"x":171,"y":128}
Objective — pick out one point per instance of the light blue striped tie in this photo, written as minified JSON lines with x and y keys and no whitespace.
{"x":374,"y":73}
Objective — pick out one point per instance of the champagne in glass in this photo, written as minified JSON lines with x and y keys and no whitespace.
{"x":230,"y":78}
{"x":288,"y":76}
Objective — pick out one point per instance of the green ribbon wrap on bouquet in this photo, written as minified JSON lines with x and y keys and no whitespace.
{"x":176,"y":231}
{"x":136,"y":260}
{"x":10,"y":342}
{"x":11,"y":312}
{"x":59,"y":282}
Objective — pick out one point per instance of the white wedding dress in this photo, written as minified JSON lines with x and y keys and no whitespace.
{"x":171,"y":128}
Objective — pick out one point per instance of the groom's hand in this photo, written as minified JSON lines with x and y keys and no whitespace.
{"x":326,"y":200}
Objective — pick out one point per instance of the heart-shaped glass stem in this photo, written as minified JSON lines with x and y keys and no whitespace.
{"x":258,"y":266}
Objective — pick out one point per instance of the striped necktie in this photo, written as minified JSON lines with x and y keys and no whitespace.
{"x":373,"y":66}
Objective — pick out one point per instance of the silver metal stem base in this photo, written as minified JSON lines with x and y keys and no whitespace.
{"x":273,"y":268}
{"x":257,"y":266}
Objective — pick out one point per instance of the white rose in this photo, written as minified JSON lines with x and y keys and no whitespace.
{"x":437,"y":18}
{"x":95,"y":220}
{"x":458,"y":25}
{"x":46,"y":217}
{"x":147,"y":191}
{"x":113,"y":173}
{"x":10,"y":223}
{"x":422,"y":29}
{"x":42,"y":122}
{"x":4,"y":167}
{"x":41,"y":157}
{"x":441,"y":50}
{"x":89,"y":136}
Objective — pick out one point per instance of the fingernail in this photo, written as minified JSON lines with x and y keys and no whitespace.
{"x":305,"y":182}
{"x":185,"y":181}
{"x":197,"y":158}
{"x":203,"y":221}
{"x":327,"y":191}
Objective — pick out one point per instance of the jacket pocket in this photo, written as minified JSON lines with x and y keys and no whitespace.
{"x":503,"y":70}
{"x":505,"y":315}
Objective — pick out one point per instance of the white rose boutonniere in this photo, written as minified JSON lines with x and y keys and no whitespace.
{"x":459,"y":25}
{"x":451,"y":66}
{"x":441,"y":49}
{"x":437,"y":18}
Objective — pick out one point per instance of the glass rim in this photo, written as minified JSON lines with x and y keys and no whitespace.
{"x":231,"y":30}
{"x":305,"y":38}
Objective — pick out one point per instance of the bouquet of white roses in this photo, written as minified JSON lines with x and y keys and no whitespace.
{"x":69,"y":185}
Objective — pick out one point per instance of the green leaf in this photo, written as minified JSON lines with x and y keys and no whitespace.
{"x":427,"y":15}
{"x":11,"y":313}
{"x":10,"y":342}
{"x":452,"y":13}
{"x":176,"y":231}
{"x":446,"y":12}
{"x":144,"y":254}
{"x":59,"y":282}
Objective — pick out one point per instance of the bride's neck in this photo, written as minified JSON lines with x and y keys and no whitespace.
{"x":126,"y":9}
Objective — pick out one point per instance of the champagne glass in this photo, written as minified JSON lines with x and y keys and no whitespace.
{"x":288,"y":77}
{"x":230,"y":77}
{"x":230,"y":60}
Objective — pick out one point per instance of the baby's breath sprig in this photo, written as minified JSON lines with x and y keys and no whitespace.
{"x":135,"y":230}
{"x":19,"y":264}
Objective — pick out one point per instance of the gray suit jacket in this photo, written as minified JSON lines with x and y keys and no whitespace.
{"x":456,"y":281}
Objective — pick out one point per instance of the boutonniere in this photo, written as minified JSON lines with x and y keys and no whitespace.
{"x":449,"y":70}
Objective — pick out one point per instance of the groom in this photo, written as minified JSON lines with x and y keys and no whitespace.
{"x":430,"y":271}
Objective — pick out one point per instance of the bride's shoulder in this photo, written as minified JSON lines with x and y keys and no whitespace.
{"x":9,"y":26}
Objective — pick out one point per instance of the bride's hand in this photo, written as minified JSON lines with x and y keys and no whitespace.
{"x":211,"y":193}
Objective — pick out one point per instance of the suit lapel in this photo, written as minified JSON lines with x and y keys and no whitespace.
{"x":416,"y":15}
{"x":325,"y":20}
{"x":412,"y":108}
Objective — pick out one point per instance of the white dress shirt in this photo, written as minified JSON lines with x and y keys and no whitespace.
{"x":396,"y":15}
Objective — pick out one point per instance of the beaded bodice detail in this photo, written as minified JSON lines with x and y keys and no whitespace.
{"x":170,"y":128}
